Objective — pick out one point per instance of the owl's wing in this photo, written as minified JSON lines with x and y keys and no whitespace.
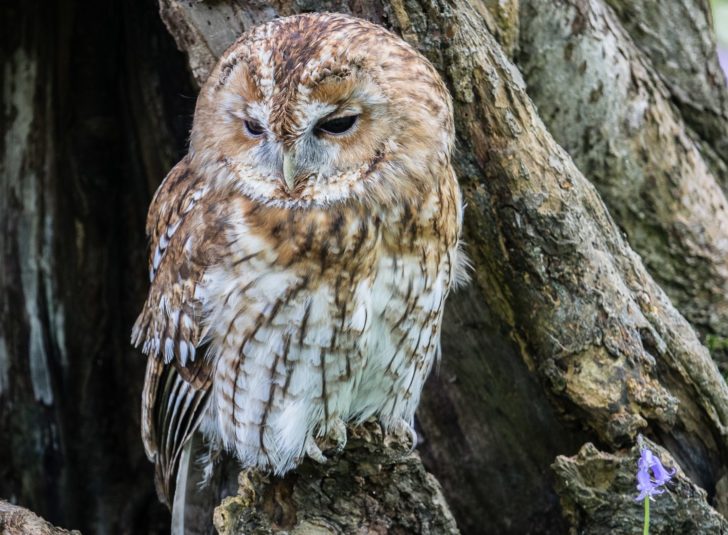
{"x":172,"y":409}
{"x":186,"y":238}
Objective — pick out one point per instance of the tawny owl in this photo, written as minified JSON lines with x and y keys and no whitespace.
{"x":303,"y":249}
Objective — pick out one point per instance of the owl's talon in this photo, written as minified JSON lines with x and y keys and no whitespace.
{"x":337,"y":434}
{"x":314,"y":452}
{"x":403,"y":430}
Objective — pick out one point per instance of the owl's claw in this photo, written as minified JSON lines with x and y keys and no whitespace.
{"x":314,"y":452}
{"x":334,"y":441}
{"x":336,"y":433}
{"x":405,"y":432}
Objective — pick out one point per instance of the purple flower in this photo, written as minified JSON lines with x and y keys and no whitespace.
{"x":649,"y":484}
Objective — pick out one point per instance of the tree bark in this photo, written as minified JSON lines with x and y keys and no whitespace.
{"x":597,"y":92}
{"x":377,"y":486}
{"x":563,"y":338}
{"x":15,"y":520}
{"x":684,"y":55}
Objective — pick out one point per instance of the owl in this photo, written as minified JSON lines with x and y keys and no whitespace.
{"x":303,"y":249}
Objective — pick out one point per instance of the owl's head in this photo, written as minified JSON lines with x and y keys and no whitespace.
{"x":322,"y":108}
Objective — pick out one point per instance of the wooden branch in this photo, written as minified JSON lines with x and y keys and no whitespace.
{"x":15,"y":520}
{"x":375,"y":486}
{"x":599,"y":95}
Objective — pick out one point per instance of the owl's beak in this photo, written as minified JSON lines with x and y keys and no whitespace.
{"x":289,"y":168}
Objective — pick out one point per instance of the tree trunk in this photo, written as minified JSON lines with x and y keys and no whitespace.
{"x":678,"y":39}
{"x":96,"y":108}
{"x":618,"y":123}
{"x":564,"y":337}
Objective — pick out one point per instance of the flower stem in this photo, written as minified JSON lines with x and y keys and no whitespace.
{"x":646,"y":529}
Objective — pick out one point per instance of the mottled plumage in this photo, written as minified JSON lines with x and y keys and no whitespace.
{"x":302,"y":251}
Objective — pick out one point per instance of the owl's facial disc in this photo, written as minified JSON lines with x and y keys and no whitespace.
{"x":335,"y":125}
{"x":309,"y":151}
{"x":305,"y":141}
{"x":315,"y":110}
{"x":326,"y":138}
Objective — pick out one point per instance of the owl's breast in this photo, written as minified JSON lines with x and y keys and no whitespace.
{"x":311,"y":317}
{"x":286,"y":322}
{"x":300,"y":264}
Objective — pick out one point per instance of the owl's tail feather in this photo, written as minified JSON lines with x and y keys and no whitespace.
{"x":197,"y":491}
{"x":173,"y":404}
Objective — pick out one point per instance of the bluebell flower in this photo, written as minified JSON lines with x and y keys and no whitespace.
{"x":648,"y":484}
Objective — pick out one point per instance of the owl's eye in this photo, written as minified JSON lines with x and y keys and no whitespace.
{"x":253,"y":128}
{"x":338,"y":125}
